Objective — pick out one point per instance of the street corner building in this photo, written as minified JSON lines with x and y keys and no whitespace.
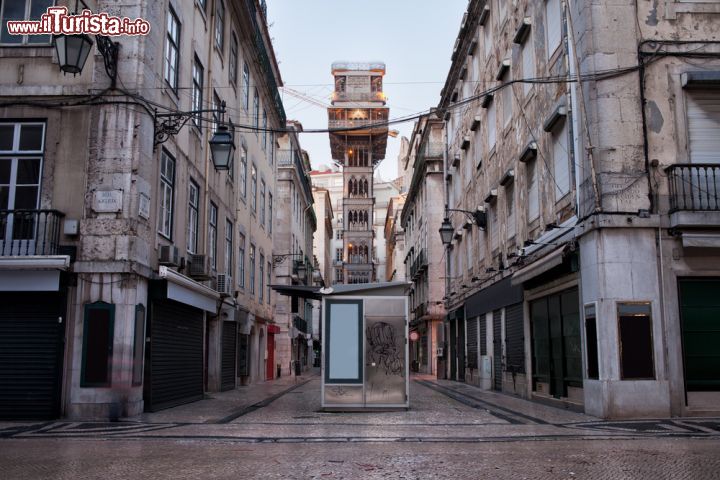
{"x":575,"y":148}
{"x":136,"y":217}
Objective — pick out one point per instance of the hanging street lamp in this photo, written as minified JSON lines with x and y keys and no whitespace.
{"x":446,"y":231}
{"x":222,"y":148}
{"x":72,"y":52}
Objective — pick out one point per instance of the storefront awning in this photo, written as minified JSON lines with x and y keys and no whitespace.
{"x":186,"y":290}
{"x":551,"y":260}
{"x":304,"y":291}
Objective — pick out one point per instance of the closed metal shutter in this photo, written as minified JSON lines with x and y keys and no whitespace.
{"x":700,"y":320}
{"x":515,"y":339}
{"x":227,"y":370}
{"x":703,"y":110}
{"x":483,"y":335}
{"x":31,"y":352}
{"x":176,"y":355}
{"x":472,"y":343}
{"x":497,"y":350}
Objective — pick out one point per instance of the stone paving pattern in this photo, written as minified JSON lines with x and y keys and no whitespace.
{"x":275,"y":430}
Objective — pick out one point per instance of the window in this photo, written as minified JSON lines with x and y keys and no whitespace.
{"x":96,"y":370}
{"x":264,"y":132}
{"x":256,"y":111}
{"x":252,"y":269}
{"x":532,"y":190}
{"x":21,"y":159}
{"x":528,"y":62}
{"x":246,"y":86}
{"x":192,"y":220}
{"x":339,"y":254}
{"x":233,"y":67}
{"x":219,"y":24}
{"x":167,"y":194}
{"x":197,"y":90}
{"x":268,"y":272}
{"x":228,"y":246}
{"x":261,"y":278}
{"x":510,"y":210}
{"x":591,"y":347}
{"x":506,"y":94}
{"x":491,"y":126}
{"x":561,"y":161}
{"x":270,"y":212}
{"x":216,"y":105}
{"x":202,"y":4}
{"x":487,"y":34}
{"x":553,"y":26}
{"x":253,"y":188}
{"x":172,"y":49}
{"x":243,"y":171}
{"x":23,"y":10}
{"x":212,"y":235}
{"x":636,"y":342}
{"x":262,"y":203}
{"x":271,"y":152}
{"x":241,"y":261}
{"x":494,"y":227}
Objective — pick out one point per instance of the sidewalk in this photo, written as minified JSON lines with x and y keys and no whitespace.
{"x":223,"y":407}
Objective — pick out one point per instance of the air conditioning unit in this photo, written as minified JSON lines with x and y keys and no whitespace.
{"x":169,"y":255}
{"x":224,"y":284}
{"x":199,"y":267}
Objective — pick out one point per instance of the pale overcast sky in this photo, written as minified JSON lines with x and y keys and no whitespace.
{"x":413,"y":37}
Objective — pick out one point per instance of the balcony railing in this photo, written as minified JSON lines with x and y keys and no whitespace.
{"x":289,"y":158}
{"x":29,"y":232}
{"x":336,"y":124}
{"x":358,"y":97}
{"x":694,"y":187}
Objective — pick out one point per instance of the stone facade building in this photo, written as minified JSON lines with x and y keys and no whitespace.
{"x":295,"y":225}
{"x":132,"y":270}
{"x":590,"y":283}
{"x":424,"y":260}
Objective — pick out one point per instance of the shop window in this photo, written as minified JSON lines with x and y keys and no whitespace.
{"x":636,"y":344}
{"x":591,"y":344}
{"x":138,"y":345}
{"x":97,"y":345}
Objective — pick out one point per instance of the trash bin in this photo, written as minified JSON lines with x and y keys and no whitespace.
{"x":278,"y":367}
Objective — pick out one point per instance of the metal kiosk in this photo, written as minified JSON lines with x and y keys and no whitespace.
{"x":365,"y":347}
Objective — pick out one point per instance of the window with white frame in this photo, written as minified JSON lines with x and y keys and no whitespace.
{"x":261,"y":278}
{"x":241,"y":261}
{"x":246,"y":86}
{"x":172,"y":49}
{"x":197,"y":90}
{"x":263,"y":143}
{"x":528,"y":62}
{"x":216,"y":105}
{"x":219,"y":24}
{"x":270,"y":212}
{"x":491,"y":126}
{"x":233,"y":67}
{"x":262,"y":203}
{"x":253,"y":188}
{"x":192,"y":220}
{"x":15,"y":10}
{"x":243,"y":171}
{"x":271,"y":152}
{"x":510,"y":210}
{"x":561,"y":160}
{"x":252,"y":269}
{"x":228,"y":246}
{"x":256,"y":111}
{"x":553,"y":26}
{"x":339,"y":254}
{"x":212,"y":235}
{"x":494,"y":227}
{"x":268,"y":272}
{"x":167,"y":194}
{"x":533,"y":190}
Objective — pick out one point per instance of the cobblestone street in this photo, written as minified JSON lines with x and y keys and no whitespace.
{"x":277,"y":431}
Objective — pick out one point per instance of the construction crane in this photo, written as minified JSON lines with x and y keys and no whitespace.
{"x":314,"y":101}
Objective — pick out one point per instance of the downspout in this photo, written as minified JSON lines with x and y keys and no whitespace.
{"x":643,"y":114}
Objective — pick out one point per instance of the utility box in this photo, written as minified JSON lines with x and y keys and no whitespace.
{"x":365,"y":347}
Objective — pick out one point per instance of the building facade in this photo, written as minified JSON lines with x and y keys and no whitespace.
{"x":358,"y":139}
{"x":130,"y":253}
{"x":584,"y":285}
{"x":295,"y":226}
{"x":424,"y":263}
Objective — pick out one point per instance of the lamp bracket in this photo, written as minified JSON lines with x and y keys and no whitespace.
{"x":278,"y":259}
{"x":477,"y":217}
{"x":170,"y":124}
{"x":109,"y":51}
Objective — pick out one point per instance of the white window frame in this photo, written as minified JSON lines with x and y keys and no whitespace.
{"x":241,"y":261}
{"x":561,"y":159}
{"x":219,"y":25}
{"x":172,"y":49}
{"x":40,"y":40}
{"x":553,"y":18}
{"x":198,"y":73}
{"x":167,"y":195}
{"x":193,"y":216}
{"x":228,"y":246}
{"x":212,"y":235}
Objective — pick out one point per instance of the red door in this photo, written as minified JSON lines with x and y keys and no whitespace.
{"x":270,"y":365}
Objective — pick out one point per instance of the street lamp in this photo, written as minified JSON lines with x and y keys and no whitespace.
{"x":222,"y":148}
{"x":446,"y":231}
{"x":72,"y":52}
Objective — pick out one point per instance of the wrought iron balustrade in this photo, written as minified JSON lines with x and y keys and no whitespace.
{"x":694,"y":187}
{"x":30,"y":232}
